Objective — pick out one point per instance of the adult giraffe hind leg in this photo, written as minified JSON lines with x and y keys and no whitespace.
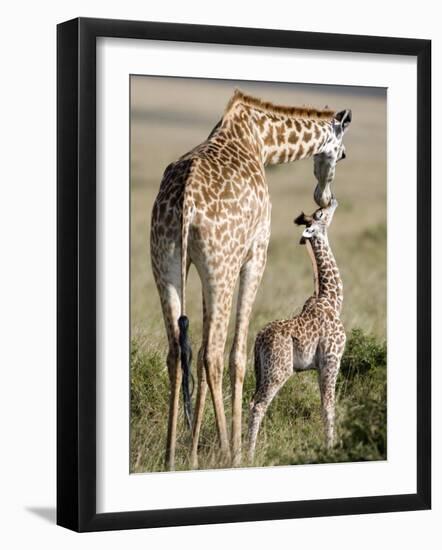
{"x":199,"y":407}
{"x":171,"y":307}
{"x":250,"y":278}
{"x":169,"y":289}
{"x":200,"y":395}
{"x":218,"y":300}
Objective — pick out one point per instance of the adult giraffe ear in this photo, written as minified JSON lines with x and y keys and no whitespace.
{"x":344,"y":118}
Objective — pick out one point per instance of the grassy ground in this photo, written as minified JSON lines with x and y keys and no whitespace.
{"x":164,"y":128}
{"x":291,"y":432}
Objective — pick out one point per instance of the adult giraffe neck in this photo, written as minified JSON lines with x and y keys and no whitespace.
{"x":282,"y":134}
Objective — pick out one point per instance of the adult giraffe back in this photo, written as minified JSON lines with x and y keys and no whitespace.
{"x":213,"y":210}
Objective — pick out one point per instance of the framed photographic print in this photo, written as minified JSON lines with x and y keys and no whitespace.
{"x":216,"y":361}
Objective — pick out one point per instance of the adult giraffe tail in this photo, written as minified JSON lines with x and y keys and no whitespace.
{"x":183,"y":321}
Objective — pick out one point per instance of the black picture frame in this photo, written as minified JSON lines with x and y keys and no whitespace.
{"x":76,"y":273}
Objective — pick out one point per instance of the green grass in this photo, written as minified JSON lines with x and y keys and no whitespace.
{"x":291,"y":432}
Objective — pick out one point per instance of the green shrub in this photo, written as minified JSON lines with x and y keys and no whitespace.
{"x":362,"y":398}
{"x":362,"y":354}
{"x":364,"y":427}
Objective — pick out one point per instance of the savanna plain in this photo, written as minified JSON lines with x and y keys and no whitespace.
{"x":169,"y":116}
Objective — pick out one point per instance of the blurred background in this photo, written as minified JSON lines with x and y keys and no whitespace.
{"x":169,"y":116}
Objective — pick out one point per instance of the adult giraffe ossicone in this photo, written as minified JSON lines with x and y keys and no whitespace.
{"x":213,"y":210}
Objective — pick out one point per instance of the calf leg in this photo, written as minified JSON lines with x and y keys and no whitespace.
{"x":328,"y":373}
{"x":273,"y":377}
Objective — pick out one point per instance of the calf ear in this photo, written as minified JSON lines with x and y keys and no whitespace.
{"x":309,"y":232}
{"x":302,"y":219}
{"x":344,"y":118}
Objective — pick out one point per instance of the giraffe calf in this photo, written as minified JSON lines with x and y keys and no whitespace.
{"x":314,"y":339}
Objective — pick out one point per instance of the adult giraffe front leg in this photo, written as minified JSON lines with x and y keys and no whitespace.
{"x":250,"y":277}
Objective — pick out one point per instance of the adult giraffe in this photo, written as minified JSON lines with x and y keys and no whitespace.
{"x":213,"y":210}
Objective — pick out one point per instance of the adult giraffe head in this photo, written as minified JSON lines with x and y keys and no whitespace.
{"x":280,"y":134}
{"x":332,"y":152}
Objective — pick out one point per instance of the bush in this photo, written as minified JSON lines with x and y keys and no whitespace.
{"x":362,"y":354}
{"x":364,"y":428}
{"x":362,"y":397}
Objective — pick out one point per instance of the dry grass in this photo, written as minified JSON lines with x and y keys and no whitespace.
{"x":169,"y":117}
